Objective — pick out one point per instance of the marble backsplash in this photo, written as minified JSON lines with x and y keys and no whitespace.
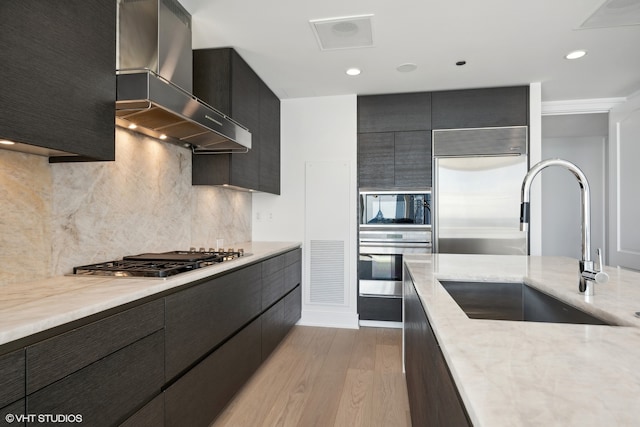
{"x":56,"y":216}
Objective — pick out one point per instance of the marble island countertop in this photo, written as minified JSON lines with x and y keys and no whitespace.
{"x":32,"y":307}
{"x":512,"y":373}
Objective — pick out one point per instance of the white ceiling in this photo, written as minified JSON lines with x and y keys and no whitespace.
{"x":505,"y":42}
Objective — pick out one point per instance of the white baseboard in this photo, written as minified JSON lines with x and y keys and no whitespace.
{"x":380,"y":324}
{"x":329,"y":319}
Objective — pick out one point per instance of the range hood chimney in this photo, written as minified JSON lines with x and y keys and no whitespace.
{"x":154,"y":81}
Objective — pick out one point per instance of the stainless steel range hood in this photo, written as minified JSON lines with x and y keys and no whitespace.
{"x":154,"y":81}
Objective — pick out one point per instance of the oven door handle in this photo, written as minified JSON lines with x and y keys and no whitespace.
{"x":380,"y":244}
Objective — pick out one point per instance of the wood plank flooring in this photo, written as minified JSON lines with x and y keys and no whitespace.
{"x":326,"y":377}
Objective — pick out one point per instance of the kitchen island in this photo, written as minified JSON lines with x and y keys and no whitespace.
{"x":515,"y":373}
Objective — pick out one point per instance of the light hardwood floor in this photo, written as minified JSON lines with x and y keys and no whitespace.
{"x":326,"y":377}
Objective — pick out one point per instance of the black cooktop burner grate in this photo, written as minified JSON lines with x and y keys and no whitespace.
{"x":159,"y":265}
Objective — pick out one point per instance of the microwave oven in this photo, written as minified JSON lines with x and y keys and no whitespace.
{"x":395,"y":208}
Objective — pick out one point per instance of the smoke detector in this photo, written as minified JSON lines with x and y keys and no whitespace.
{"x":348,"y":32}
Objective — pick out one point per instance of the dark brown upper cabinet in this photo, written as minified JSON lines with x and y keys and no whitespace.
{"x":394,"y":113}
{"x":475,"y":108}
{"x":394,"y":141}
{"x":394,"y":160}
{"x":58,"y":78}
{"x":222,"y":79}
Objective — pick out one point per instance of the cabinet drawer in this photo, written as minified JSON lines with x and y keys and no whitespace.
{"x":292,"y":307}
{"x":273,"y":265}
{"x":292,"y":276}
{"x":108,"y":391}
{"x":16,"y":408}
{"x":273,"y":329}
{"x":151,"y":415}
{"x":12,"y":374}
{"x":202,"y":393}
{"x":57,"y":357}
{"x":272,"y":288}
{"x":199,"y":318}
{"x":292,"y":257}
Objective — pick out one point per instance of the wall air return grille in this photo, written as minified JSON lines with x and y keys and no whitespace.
{"x":327,"y":272}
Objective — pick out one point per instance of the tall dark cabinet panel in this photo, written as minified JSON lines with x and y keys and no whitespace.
{"x":269,"y":141}
{"x":433,"y":396}
{"x":58,"y":76}
{"x":226,"y":82}
{"x":470,"y":108}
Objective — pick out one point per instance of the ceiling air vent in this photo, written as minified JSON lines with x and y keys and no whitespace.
{"x":343,"y":33}
{"x":614,"y":13}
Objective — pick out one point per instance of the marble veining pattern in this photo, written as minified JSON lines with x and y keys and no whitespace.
{"x":57,"y":216}
{"x":219,"y":213}
{"x":530,"y":374}
{"x":25,"y":231}
{"x":141,"y":202}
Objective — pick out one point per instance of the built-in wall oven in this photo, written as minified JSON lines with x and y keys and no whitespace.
{"x":391,"y":224}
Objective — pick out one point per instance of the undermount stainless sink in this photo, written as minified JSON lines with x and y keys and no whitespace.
{"x":514,"y":301}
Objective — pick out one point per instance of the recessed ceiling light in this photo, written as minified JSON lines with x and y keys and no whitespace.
{"x":132,"y":126}
{"x":353,"y":71}
{"x":163,"y":136}
{"x":406,"y":68}
{"x":576,"y":54}
{"x":6,"y":142}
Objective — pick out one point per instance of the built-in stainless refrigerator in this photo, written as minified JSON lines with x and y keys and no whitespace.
{"x":478,"y":177}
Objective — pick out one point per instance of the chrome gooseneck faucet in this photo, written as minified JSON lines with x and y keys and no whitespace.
{"x":588,"y":274}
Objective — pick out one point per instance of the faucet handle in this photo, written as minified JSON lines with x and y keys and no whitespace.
{"x":599,"y":255}
{"x":600,"y":276}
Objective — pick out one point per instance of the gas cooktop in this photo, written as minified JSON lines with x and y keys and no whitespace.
{"x":159,"y":265}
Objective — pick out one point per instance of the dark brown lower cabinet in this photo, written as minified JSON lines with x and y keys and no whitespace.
{"x":110,"y":390}
{"x":380,"y":308}
{"x":199,"y":318}
{"x":10,"y":415}
{"x":176,"y":360}
{"x":12,"y":372}
{"x":292,"y":307}
{"x":151,"y":415}
{"x":273,"y":328}
{"x":279,"y":319}
{"x":433,"y":396}
{"x":201,"y":394}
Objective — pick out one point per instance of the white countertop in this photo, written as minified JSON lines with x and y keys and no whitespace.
{"x":32,"y":307}
{"x":537,"y":374}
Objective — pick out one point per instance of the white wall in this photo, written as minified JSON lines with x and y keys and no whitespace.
{"x":312,"y":130}
{"x":580,"y":139}
{"x":535,"y":155}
